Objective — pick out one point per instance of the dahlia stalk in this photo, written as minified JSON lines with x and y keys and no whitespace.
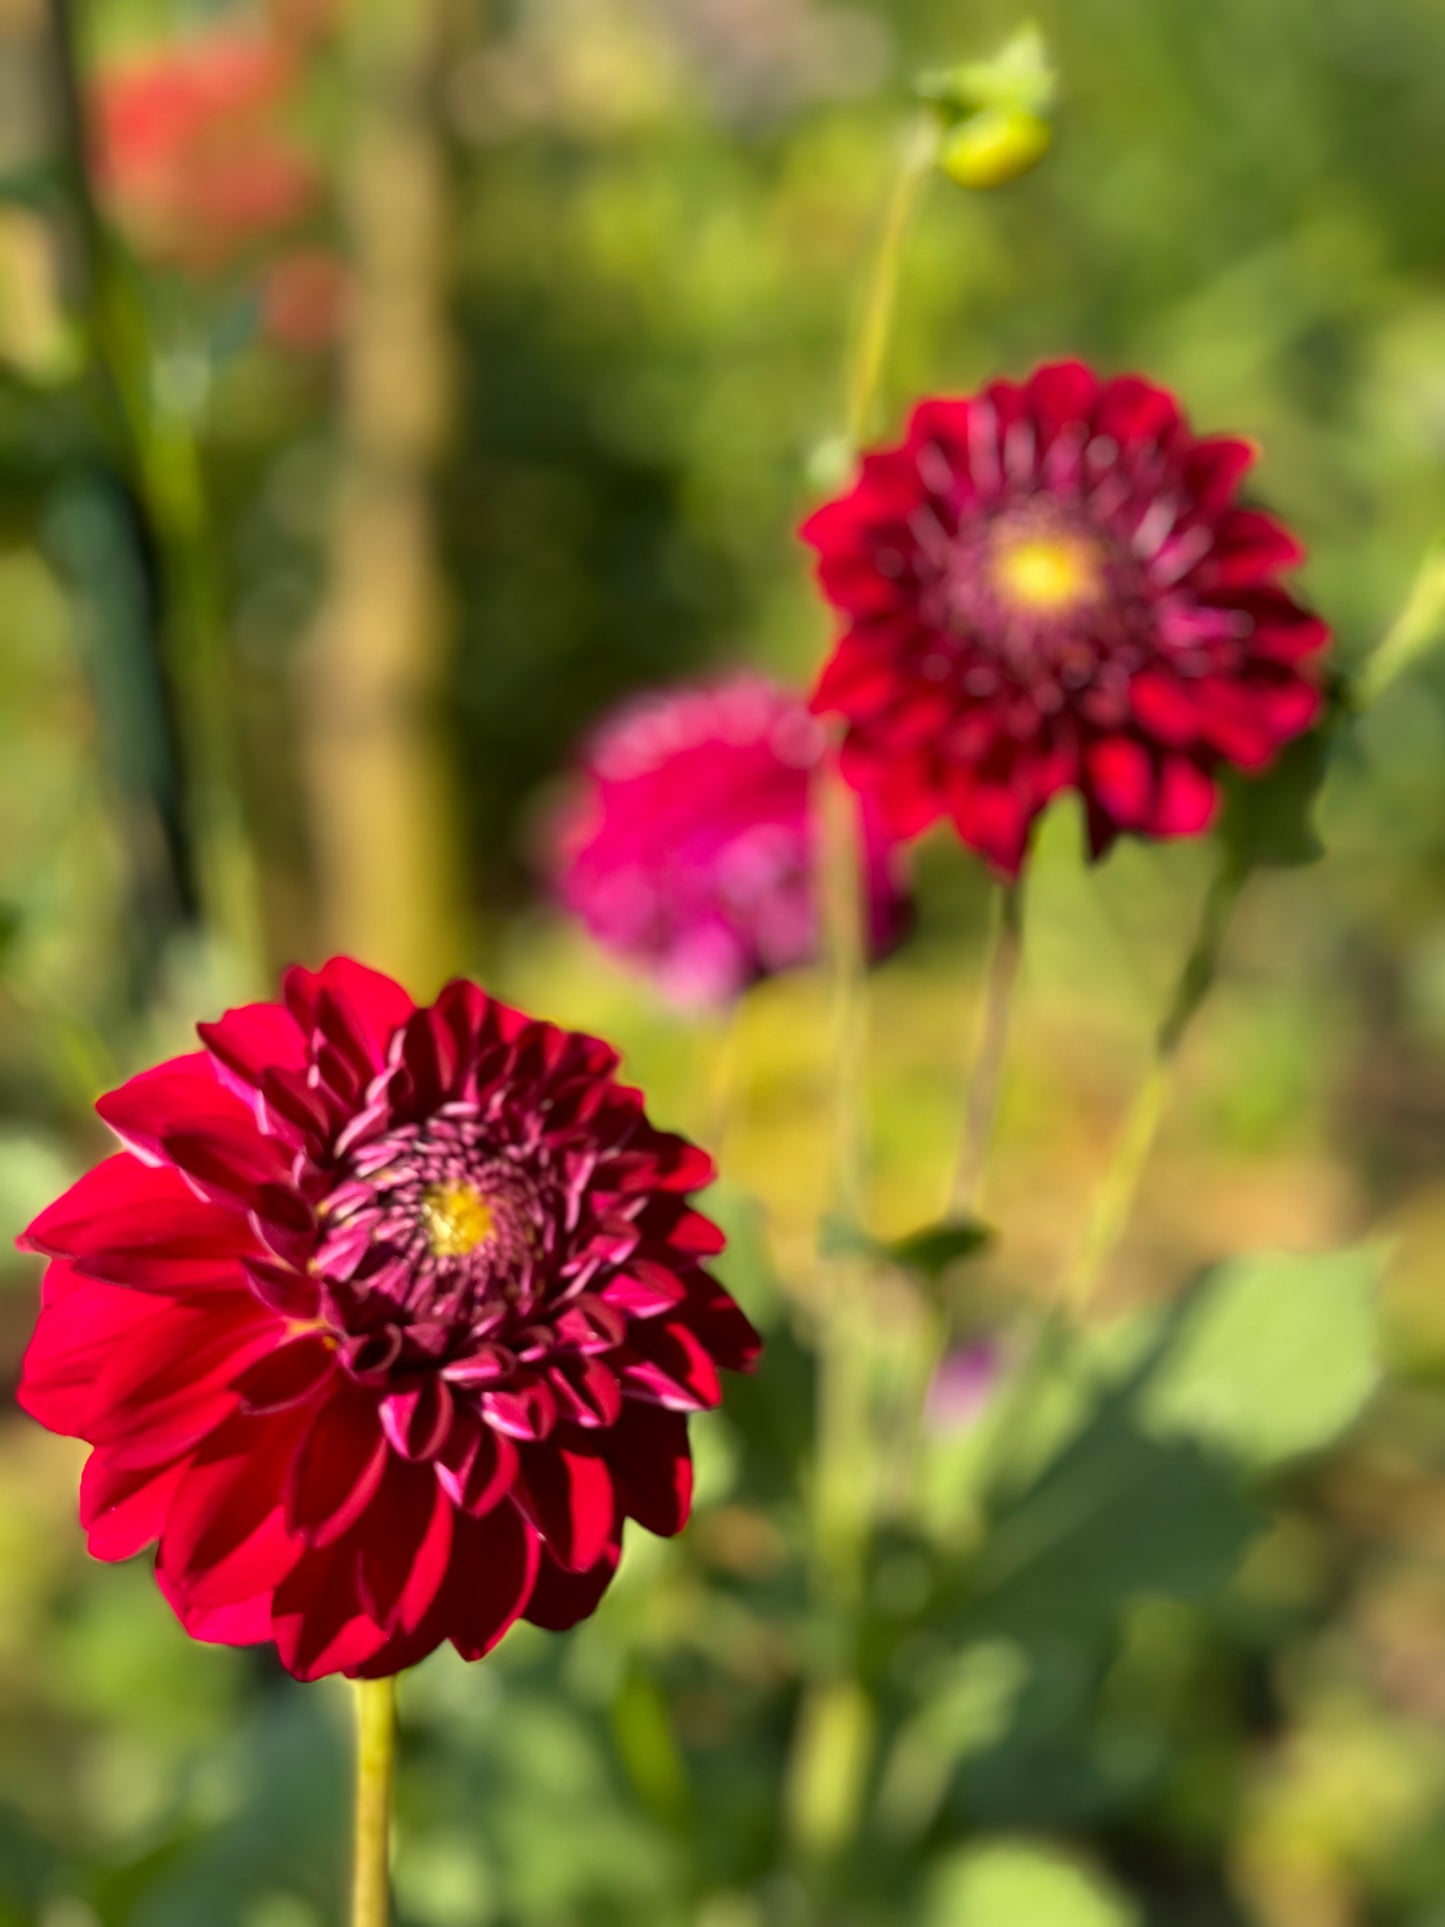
{"x":382,"y":1322}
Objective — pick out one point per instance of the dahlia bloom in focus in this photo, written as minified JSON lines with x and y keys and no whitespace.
{"x":692,"y":848}
{"x":192,"y":153}
{"x":1051,"y":586}
{"x":382,"y":1322}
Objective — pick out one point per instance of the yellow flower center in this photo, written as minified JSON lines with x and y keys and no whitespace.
{"x":1046,"y":574}
{"x":457,"y":1218}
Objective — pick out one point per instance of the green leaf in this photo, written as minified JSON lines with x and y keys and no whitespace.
{"x":1014,"y":1883}
{"x":926,"y":1253}
{"x":1274,"y":1355}
{"x":1020,"y":77}
{"x":1114,"y":1514}
{"x":1269,"y":820}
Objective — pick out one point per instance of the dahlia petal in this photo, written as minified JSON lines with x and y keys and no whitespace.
{"x":377,"y":1005}
{"x":142,"y":1225}
{"x":652,"y":1466}
{"x":1188,"y":798}
{"x":586,"y":1390}
{"x":1164,"y":707}
{"x":1134,"y":413}
{"x":477,"y":1466}
{"x":405,"y":1540}
{"x":1249,"y":548}
{"x":336,"y":1469}
{"x":717,"y":1322}
{"x":560,"y":1598}
{"x":231,"y":1488}
{"x":1214,"y":469}
{"x":180,"y":1113}
{"x":248,"y":1042}
{"x":283,"y":1289}
{"x":493,"y":1570}
{"x":525,"y":1409}
{"x":1122,"y":778}
{"x":293,"y":1373}
{"x":668,"y":1364}
{"x":1060,"y":394}
{"x":417,"y":1420}
{"x":123,"y":1508}
{"x":567,"y":1492}
{"x":317,"y":1619}
{"x":241,"y":1622}
{"x":644,"y":1290}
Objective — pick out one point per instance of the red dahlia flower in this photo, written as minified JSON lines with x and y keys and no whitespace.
{"x":383,"y":1322}
{"x":692,"y":848}
{"x":1050,"y":586}
{"x":192,"y":152}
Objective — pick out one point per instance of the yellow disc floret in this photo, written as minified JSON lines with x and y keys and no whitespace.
{"x":457,"y":1218}
{"x":1046,"y":574}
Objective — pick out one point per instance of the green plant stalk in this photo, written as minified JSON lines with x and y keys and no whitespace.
{"x":881,"y":298}
{"x":827,"y":1769}
{"x":1114,"y":1204}
{"x":158,"y":446}
{"x":375,"y":1706}
{"x":1001,"y":969}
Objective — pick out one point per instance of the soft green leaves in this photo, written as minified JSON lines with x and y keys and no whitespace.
{"x":1013,"y":1883}
{"x":926,"y":1253}
{"x":1274,"y":1355}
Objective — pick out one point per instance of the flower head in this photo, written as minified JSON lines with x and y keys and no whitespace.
{"x":192,"y":152}
{"x":382,"y":1322}
{"x":1051,"y":586}
{"x":692,"y":848}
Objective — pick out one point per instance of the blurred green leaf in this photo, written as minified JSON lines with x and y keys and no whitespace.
{"x":1269,"y":820}
{"x":927,"y":1253}
{"x":1274,"y":1354}
{"x":1012,"y":1883}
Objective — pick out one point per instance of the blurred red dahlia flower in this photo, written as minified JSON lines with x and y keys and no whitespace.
{"x":383,"y":1322}
{"x":1050,"y":586}
{"x":691,"y":848}
{"x":192,"y":152}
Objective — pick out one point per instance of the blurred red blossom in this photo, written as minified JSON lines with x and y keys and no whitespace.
{"x":692,"y":847}
{"x":193,"y":153}
{"x":382,"y":1322}
{"x":303,"y":302}
{"x":1050,"y":585}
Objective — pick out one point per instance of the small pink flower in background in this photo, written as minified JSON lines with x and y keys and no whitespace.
{"x":691,"y":850}
{"x":1051,"y":585}
{"x":963,"y":1385}
{"x":194,"y":156}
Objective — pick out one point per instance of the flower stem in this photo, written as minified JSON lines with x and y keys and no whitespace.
{"x":991,"y":1049}
{"x":881,"y":299}
{"x":1114,"y":1204}
{"x":155,"y":434}
{"x":375,"y":1751}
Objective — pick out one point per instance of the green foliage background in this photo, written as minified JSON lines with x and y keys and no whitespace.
{"x":1211,"y":1696}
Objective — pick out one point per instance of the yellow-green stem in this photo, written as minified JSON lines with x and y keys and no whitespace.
{"x":1001,"y":971}
{"x":1114,"y":1204}
{"x":881,"y":299}
{"x":375,"y":1752}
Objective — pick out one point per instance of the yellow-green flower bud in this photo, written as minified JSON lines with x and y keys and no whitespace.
{"x":995,"y":147}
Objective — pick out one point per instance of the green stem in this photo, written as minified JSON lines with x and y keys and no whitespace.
{"x":375,"y":1703}
{"x":158,"y":446}
{"x":881,"y":300}
{"x":1001,"y":970}
{"x":1114,"y":1204}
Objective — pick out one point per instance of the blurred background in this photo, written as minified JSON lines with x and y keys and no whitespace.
{"x":386,"y":388}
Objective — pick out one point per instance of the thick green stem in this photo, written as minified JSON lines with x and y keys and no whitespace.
{"x":375,"y":1701}
{"x":1114,"y":1204}
{"x":991,"y":1049}
{"x":150,"y":415}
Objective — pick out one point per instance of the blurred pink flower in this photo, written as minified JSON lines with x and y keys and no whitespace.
{"x":690,"y":849}
{"x":303,"y":304}
{"x":192,"y":155}
{"x":963,"y":1385}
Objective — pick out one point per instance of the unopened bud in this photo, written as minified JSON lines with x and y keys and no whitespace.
{"x":994,"y":148}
